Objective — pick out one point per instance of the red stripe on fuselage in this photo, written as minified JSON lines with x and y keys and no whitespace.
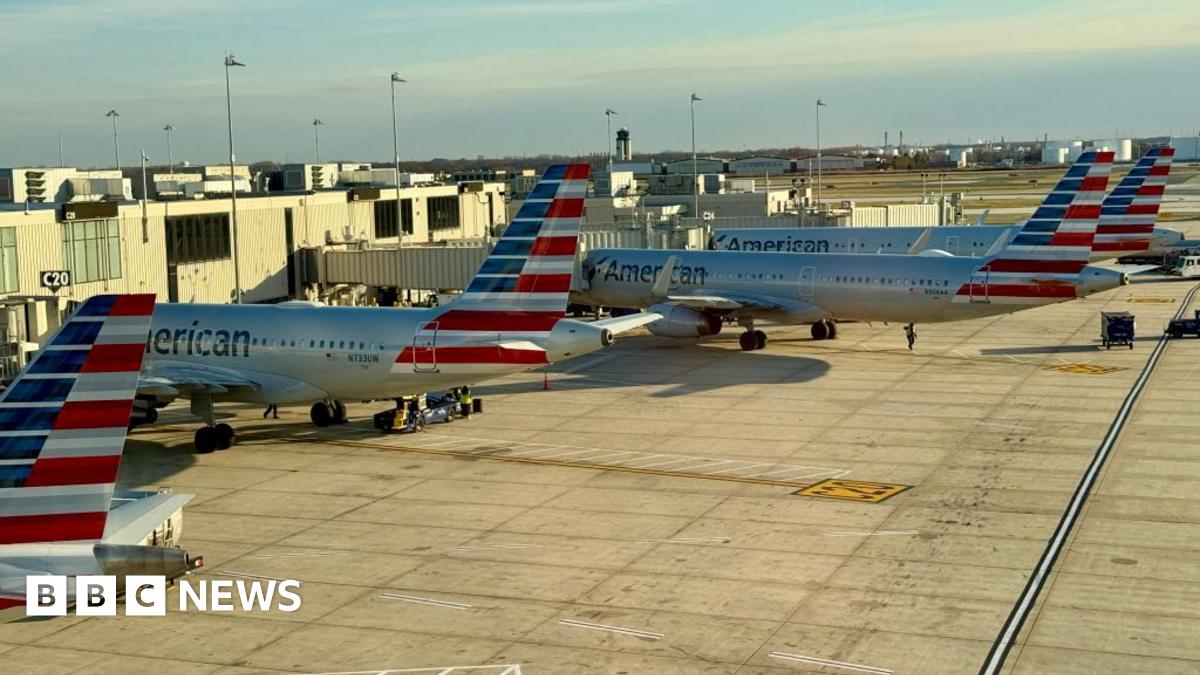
{"x":52,"y":527}
{"x":122,"y":358}
{"x":554,"y":246}
{"x":1034,"y":266}
{"x":1018,"y":290}
{"x":74,"y":471}
{"x":93,"y":414}
{"x":496,"y":321}
{"x":493,"y":354}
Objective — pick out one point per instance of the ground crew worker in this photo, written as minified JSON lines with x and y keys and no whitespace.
{"x":465,"y":400}
{"x":911,"y":334}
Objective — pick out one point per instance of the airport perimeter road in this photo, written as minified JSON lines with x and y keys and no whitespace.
{"x":678,"y":508}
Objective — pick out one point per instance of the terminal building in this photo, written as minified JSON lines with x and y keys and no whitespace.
{"x":183,"y":251}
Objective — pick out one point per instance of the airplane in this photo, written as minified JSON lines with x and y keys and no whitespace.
{"x":695,"y":291}
{"x":1126,"y":227}
{"x":63,"y":422}
{"x":510,"y":318}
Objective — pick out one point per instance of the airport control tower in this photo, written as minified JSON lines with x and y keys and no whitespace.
{"x":624,"y":147}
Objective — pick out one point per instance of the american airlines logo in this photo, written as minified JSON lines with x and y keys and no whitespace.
{"x":785,"y":245}
{"x":199,"y":341}
{"x":146,"y":595}
{"x":633,"y":273}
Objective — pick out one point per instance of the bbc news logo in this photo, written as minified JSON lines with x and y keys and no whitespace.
{"x":146,"y":595}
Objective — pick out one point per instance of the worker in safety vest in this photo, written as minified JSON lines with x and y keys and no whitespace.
{"x":464,"y":401}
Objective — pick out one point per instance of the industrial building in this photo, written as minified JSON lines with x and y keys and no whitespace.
{"x":702,"y":165}
{"x":40,"y":185}
{"x":757,"y":166}
{"x":1187,"y":148}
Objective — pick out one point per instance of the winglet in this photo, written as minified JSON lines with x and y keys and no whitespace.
{"x":663,"y":283}
{"x":921,"y":242}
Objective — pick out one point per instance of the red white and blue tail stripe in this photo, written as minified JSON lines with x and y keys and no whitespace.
{"x":63,"y":423}
{"x":521,"y":290}
{"x":1130,"y":211}
{"x":1041,"y":264}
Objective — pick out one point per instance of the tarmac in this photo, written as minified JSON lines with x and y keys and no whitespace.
{"x":667,"y":507}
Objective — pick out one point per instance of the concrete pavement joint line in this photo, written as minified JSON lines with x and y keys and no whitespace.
{"x":692,"y":542}
{"x":301,"y":555}
{"x":424,"y":601}
{"x":603,"y":467}
{"x":827,"y":662}
{"x":877,"y":533}
{"x":1020,"y":611}
{"x":611,"y":629}
{"x":494,"y":546}
{"x":246,"y":575}
{"x":505,"y":669}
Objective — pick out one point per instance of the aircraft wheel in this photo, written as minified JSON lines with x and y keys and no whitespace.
{"x":747,"y":341}
{"x":339,"y":413}
{"x":206,"y":440}
{"x":760,"y":339}
{"x":225,"y":436}
{"x":321,"y":415}
{"x":831,"y":326}
{"x":151,"y":415}
{"x":819,"y":330}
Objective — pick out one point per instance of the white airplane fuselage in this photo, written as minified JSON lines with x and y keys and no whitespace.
{"x":965,"y":240}
{"x":300,"y":353}
{"x":900,"y":288}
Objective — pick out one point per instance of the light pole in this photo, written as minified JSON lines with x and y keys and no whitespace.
{"x":695,"y":173}
{"x":317,"y":137}
{"x":145,"y":198}
{"x":820,"y":103}
{"x":116,"y":147}
{"x":608,"y":113}
{"x":396,"y":79}
{"x":170,"y":157}
{"x":231,"y":62}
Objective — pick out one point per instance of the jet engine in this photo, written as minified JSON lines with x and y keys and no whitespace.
{"x":572,"y":338}
{"x":126,"y":559}
{"x":683,"y":322}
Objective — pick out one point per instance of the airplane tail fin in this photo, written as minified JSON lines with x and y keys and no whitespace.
{"x":1045,"y":257}
{"x":1130,"y":212}
{"x":523,"y":285}
{"x":63,"y":422}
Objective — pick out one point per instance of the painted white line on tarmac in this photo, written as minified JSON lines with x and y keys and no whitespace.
{"x":800,"y":658}
{"x":689,"y":542}
{"x":246,"y":575}
{"x":424,"y":601}
{"x":301,"y":555}
{"x":491,"y":547}
{"x":611,"y":629}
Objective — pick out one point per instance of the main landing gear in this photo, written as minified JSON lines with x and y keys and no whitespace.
{"x":825,"y":329}
{"x":325,"y":413}
{"x":211,"y":436}
{"x":751,"y":339}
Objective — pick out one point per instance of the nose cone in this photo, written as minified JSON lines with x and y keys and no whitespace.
{"x":1095,"y":279}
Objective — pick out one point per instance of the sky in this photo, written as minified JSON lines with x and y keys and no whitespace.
{"x":524,"y":77}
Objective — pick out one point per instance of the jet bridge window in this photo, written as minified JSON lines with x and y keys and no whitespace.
{"x":8,"y":260}
{"x":385,"y":217}
{"x":91,"y":249}
{"x":198,"y":238}
{"x":443,"y":212}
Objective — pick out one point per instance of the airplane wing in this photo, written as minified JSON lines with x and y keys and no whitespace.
{"x":167,"y":380}
{"x":130,"y":522}
{"x":621,"y":324}
{"x":748,"y":302}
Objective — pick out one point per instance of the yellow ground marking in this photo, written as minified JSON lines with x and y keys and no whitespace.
{"x":853,"y":490}
{"x":1085,"y":369}
{"x":568,"y":463}
{"x":1154,"y":301}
